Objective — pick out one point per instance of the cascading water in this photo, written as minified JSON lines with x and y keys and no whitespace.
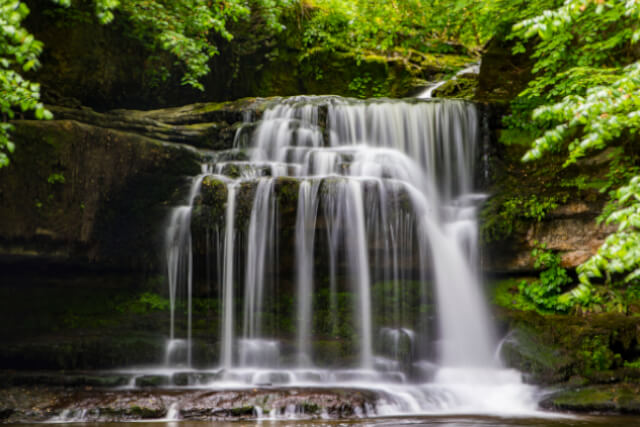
{"x":373,"y":204}
{"x":179,"y":260}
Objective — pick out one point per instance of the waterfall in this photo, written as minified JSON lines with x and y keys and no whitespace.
{"x":226,"y":354}
{"x":358,"y":261}
{"x":305,"y":233}
{"x":347,"y":254}
{"x":180,"y":268}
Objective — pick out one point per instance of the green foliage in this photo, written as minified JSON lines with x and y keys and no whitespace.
{"x":633,"y":365}
{"x":179,"y":27}
{"x":546,"y":293}
{"x":365,"y":86}
{"x":184,"y":28}
{"x":56,"y":178}
{"x":500,"y":217}
{"x":506,"y":294}
{"x":404,"y":26}
{"x":19,"y":52}
{"x":588,"y":80}
{"x":601,"y":116}
{"x":144,"y":303}
{"x":596,"y":355}
{"x":620,"y":253}
{"x":579,"y":45}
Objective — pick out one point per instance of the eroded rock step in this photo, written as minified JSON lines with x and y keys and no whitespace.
{"x":38,"y":404}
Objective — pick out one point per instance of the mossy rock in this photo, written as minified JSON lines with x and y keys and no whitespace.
{"x":462,"y":87}
{"x":152,"y":381}
{"x":108,"y":208}
{"x":618,"y":398}
{"x":554,"y":348}
{"x":525,"y":351}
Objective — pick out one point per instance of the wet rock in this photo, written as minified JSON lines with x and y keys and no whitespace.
{"x":152,"y":381}
{"x":41,"y":404}
{"x":620,"y":398}
{"x":503,"y":75}
{"x":463,"y":86}
{"x":204,"y":125}
{"x":570,"y":230}
{"x":524,"y":350}
{"x":193,"y":378}
{"x":552,"y":349}
{"x":5,"y":413}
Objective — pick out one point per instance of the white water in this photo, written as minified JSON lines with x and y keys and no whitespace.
{"x":359,"y":263}
{"x":305,"y":236}
{"x":392,"y":184}
{"x":261,"y":231}
{"x":226,"y":357}
{"x":179,"y":259}
{"x":428,"y":92}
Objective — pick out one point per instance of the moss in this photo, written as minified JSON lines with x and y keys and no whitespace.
{"x":287,"y":190}
{"x":245,"y":196}
{"x":594,"y":347}
{"x":144,"y":412}
{"x":505,"y":294}
{"x":620,"y":398}
{"x":354,"y":74}
{"x":543,"y":363}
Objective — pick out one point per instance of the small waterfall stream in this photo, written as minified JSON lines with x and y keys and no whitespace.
{"x":381,"y":204}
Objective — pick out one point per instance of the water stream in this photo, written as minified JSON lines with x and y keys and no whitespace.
{"x":384,"y":242}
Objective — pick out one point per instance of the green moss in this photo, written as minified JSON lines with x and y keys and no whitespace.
{"x":505,"y":293}
{"x":211,"y":107}
{"x":143,"y":412}
{"x":515,"y":137}
{"x":595,"y":354}
{"x":594,"y":347}
{"x":144,"y":303}
{"x":526,"y":350}
{"x":623,"y":398}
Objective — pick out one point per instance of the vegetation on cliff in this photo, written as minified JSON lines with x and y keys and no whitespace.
{"x":586,"y":88}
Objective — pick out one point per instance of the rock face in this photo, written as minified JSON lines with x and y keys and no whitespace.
{"x":571,"y":230}
{"x":82,"y":209}
{"x":81,"y":192}
{"x":502,"y":75}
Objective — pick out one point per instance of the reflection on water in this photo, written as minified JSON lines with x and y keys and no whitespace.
{"x":448,"y":421}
